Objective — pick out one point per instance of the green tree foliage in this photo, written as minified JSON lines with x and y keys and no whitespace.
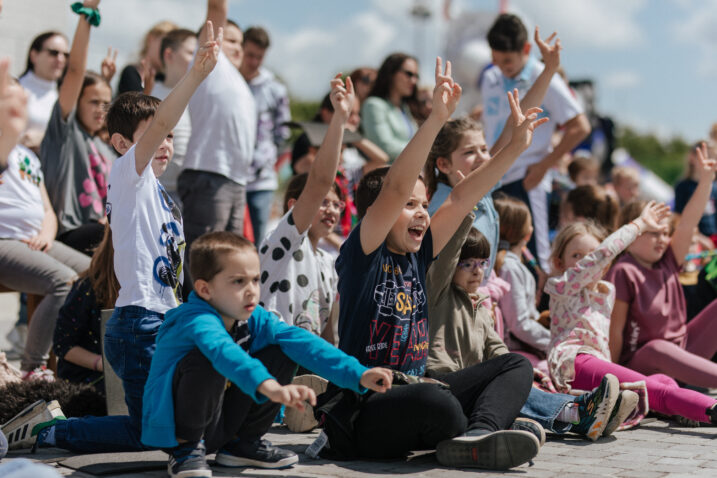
{"x":664,"y":158}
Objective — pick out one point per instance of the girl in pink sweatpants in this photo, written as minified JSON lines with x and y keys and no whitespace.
{"x":580,"y":308}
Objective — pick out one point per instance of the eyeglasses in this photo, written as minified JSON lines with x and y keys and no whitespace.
{"x":411,"y":74}
{"x":338,"y":205}
{"x":55,"y":53}
{"x":473,"y":264}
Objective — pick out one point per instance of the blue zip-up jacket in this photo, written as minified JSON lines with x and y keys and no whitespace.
{"x":197,"y":324}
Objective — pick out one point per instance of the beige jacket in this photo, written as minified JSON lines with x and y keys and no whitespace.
{"x":460,"y":334}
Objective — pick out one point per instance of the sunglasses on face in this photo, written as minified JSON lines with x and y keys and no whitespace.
{"x":55,"y":53}
{"x":411,"y":74}
{"x":474,"y":264}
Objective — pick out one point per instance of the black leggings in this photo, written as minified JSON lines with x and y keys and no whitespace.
{"x":203,"y":409}
{"x":488,"y":396}
{"x":85,"y":238}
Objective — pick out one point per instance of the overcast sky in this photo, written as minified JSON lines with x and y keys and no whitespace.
{"x":654,"y":63}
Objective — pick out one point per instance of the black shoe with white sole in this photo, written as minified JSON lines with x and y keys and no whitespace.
{"x":188,"y":460}
{"x":258,"y":453}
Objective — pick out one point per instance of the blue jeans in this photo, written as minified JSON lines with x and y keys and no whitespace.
{"x":130,"y":338}
{"x":544,"y":407}
{"x":259,"y":211}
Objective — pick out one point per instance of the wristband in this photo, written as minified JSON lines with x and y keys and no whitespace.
{"x":97,"y":361}
{"x":91,"y":14}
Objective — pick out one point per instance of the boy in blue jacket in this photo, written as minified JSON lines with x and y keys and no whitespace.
{"x":222,"y":334}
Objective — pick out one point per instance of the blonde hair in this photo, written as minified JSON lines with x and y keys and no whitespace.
{"x":158,"y":30}
{"x":515,"y":223}
{"x":447,"y":141}
{"x":570,"y":232}
{"x":621,"y":173}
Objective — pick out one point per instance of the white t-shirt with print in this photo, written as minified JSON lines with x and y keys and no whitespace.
{"x":298,"y":283}
{"x":21,"y":208}
{"x":147,"y":236}
{"x":223,"y":116}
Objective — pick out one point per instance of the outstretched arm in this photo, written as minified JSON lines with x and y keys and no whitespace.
{"x":473,"y":187}
{"x":13,"y":112}
{"x":534,"y":96}
{"x":401,"y":177}
{"x":171,"y":109}
{"x":323,"y":170}
{"x":217,"y":12}
{"x":691,"y":214}
{"x":76,"y":64}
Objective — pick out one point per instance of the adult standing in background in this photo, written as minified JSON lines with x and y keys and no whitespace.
{"x":272,"y":108}
{"x":386,"y":117}
{"x":141,"y":76}
{"x":212,"y":186}
{"x":46,"y":62}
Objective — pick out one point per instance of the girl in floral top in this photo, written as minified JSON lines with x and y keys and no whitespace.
{"x":580,"y":308}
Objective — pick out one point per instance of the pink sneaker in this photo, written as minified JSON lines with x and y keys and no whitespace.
{"x":40,"y":373}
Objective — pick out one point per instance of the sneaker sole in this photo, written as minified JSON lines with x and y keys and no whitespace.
{"x":499,"y":450}
{"x":189,"y":473}
{"x":19,"y":429}
{"x":296,"y":420}
{"x":232,"y":461}
{"x":627,"y":405}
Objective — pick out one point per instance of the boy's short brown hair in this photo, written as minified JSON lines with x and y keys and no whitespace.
{"x":128,"y":110}
{"x":580,"y":164}
{"x":206,"y":253}
{"x":257,"y":36}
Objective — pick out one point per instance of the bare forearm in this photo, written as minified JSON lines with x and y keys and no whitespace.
{"x":323,"y":169}
{"x":217,"y":11}
{"x":479,"y":182}
{"x":84,"y":358}
{"x":77,"y":62}
{"x":576,"y":130}
{"x":376,"y":156}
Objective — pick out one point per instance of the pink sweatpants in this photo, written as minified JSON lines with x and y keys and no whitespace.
{"x":663,"y":393}
{"x":693,"y":364}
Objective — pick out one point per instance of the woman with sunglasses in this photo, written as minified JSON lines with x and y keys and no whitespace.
{"x":46,"y":62}
{"x":75,"y":160}
{"x":387,"y":116}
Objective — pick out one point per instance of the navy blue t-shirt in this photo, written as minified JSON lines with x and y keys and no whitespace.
{"x":383,"y":318}
{"x":683,"y":192}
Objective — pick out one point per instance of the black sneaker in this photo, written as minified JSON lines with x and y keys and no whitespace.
{"x":258,"y":453}
{"x":595,"y":408}
{"x":499,"y":450}
{"x":528,"y":425}
{"x":624,"y":406}
{"x":188,"y":460}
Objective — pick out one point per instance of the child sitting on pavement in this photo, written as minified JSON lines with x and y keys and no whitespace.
{"x":383,"y":317}
{"x":222,"y":332}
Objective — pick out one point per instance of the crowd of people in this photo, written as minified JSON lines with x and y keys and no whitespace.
{"x":417,"y":291}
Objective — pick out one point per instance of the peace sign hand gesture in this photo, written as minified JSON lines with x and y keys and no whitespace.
{"x":446,"y":93}
{"x":208,"y":54}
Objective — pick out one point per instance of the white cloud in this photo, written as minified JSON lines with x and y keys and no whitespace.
{"x":605,"y":24}
{"x":621,"y":80}
{"x":697,"y":31}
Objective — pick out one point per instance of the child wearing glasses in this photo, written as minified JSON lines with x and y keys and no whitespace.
{"x":298,"y":280}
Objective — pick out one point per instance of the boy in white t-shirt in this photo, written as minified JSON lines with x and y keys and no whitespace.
{"x":514,"y":67}
{"x":148,"y":253}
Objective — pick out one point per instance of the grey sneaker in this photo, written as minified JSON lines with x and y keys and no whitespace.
{"x":528,"y":425}
{"x":626,"y":403}
{"x":500,"y":450}
{"x":296,"y":420}
{"x":258,"y":454}
{"x":188,"y":460}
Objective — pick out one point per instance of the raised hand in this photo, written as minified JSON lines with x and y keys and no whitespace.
{"x":147,"y":73}
{"x":377,"y":379}
{"x":652,"y":216}
{"x":523,"y":123}
{"x":208,"y":53}
{"x":13,"y":106}
{"x":707,"y":166}
{"x":342,"y":96}
{"x":446,"y":93}
{"x":550,"y":53}
{"x":109,"y":65}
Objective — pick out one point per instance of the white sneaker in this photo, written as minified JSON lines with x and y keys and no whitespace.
{"x":625,"y":405}
{"x":296,"y":420}
{"x":21,"y":430}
